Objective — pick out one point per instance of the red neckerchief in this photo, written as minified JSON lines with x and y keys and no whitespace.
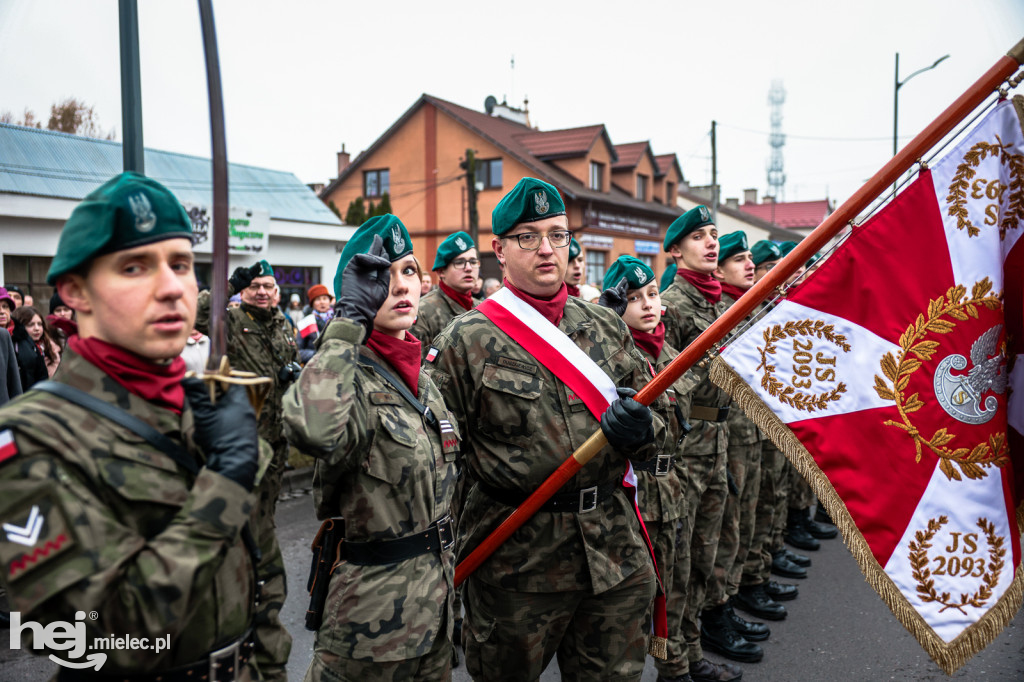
{"x":465,"y":300}
{"x":10,"y":326}
{"x":159,"y":384}
{"x":573,"y":290}
{"x":552,"y":308}
{"x":402,"y":354}
{"x":709,"y":287}
{"x":650,"y":342}
{"x":733,"y":291}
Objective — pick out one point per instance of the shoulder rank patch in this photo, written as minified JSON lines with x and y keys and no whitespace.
{"x":524,"y":367}
{"x":8,"y":448}
{"x":32,"y":535}
{"x":385,"y":398}
{"x":432,"y":354}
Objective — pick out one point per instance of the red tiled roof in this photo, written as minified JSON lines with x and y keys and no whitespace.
{"x":561,"y":143}
{"x":665,"y":163}
{"x":791,"y":214}
{"x":630,"y":154}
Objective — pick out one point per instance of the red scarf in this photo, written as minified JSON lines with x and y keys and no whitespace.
{"x":465,"y":300}
{"x":573,"y":290}
{"x":402,"y":354}
{"x":733,"y":291}
{"x":159,"y":384}
{"x":552,"y":308}
{"x":650,"y":342}
{"x":709,"y":287}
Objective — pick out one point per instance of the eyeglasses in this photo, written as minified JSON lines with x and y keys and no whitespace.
{"x":530,"y":241}
{"x":265,"y":287}
{"x":460,"y":263}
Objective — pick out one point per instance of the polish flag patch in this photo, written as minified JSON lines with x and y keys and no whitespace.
{"x":8,"y":448}
{"x":431,"y":354}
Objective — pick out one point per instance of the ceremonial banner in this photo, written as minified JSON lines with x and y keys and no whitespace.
{"x":888,"y":378}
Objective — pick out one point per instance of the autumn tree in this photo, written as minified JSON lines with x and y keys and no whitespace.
{"x":70,"y":116}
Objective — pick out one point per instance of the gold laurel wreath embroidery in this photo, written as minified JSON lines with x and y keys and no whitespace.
{"x":788,"y":395}
{"x":957,"y":198}
{"x":969,"y":460}
{"x":919,"y":560}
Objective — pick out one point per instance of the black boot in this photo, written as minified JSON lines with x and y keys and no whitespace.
{"x":755,"y":601}
{"x":780,"y":592}
{"x":718,"y":635}
{"x":798,"y":559}
{"x":822,"y":531}
{"x":786,"y":568}
{"x":821,"y":514}
{"x":749,"y":630}
{"x":707,"y":671}
{"x":796,"y":532}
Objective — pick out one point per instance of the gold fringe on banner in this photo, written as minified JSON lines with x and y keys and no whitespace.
{"x":949,"y":656}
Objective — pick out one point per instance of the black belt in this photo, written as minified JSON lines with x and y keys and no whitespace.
{"x":222,"y":665}
{"x":438,"y":538}
{"x":659,"y":466}
{"x":709,"y":413}
{"x":578,"y":501}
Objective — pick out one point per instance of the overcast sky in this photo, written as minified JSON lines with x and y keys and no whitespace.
{"x":301,"y":78}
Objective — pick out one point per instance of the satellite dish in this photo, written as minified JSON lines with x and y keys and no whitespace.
{"x":490,"y":103}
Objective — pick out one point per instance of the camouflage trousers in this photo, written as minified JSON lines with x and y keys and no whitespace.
{"x":758,"y":564}
{"x":435,"y":665}
{"x":270,"y":487}
{"x":674,"y":579}
{"x":273,"y":643}
{"x":800,"y":494}
{"x":663,"y":536}
{"x":737,"y":523}
{"x":781,"y":512}
{"x":512,"y":636}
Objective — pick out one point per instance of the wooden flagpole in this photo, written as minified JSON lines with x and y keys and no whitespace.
{"x":1004,"y":68}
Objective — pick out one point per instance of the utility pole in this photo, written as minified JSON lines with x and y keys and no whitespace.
{"x":469,"y":165}
{"x":131,"y":89}
{"x":714,"y":176}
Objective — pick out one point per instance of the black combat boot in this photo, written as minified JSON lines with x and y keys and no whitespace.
{"x":796,"y":532}
{"x":755,"y":601}
{"x":821,"y":514}
{"x":718,"y":635}
{"x":781,"y":565}
{"x":748,"y":629}
{"x":822,"y":531}
{"x":706,"y":671}
{"x":780,"y":592}
{"x":798,"y":559}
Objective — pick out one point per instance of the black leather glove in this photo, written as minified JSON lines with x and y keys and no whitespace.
{"x":365,"y":283}
{"x":226,"y":431}
{"x":627,"y":424}
{"x":615,"y":297}
{"x":242,"y":277}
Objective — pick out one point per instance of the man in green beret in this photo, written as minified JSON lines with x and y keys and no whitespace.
{"x":692,"y":303}
{"x":574,"y":273}
{"x":578,"y":571}
{"x":126,"y":494}
{"x":458,"y":267}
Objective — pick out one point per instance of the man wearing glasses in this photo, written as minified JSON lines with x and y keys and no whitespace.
{"x":458,"y":267}
{"x":576,"y":580}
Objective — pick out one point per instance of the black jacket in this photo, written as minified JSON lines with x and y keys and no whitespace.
{"x":31,"y":363}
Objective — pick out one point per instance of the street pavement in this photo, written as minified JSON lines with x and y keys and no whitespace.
{"x":837,"y":628}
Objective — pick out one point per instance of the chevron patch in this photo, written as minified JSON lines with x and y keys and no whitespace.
{"x":33,"y":534}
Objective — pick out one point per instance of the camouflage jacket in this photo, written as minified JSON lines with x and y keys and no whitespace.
{"x":687,"y":314}
{"x":519,"y":424}
{"x":261,"y":341}
{"x":742,"y":431}
{"x":389,"y":475}
{"x":437,"y":309}
{"x":126,"y":533}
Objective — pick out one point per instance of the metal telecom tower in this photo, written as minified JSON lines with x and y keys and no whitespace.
{"x":776,"y":176}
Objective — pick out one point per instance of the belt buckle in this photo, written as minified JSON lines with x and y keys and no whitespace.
{"x":585,"y":494}
{"x":445,"y":533}
{"x":663,"y":465}
{"x":228,"y":656}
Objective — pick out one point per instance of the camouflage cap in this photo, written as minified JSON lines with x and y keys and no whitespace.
{"x":531,"y":199}
{"x":731,"y":244}
{"x":637,"y":273}
{"x":452,"y":246}
{"x":698,"y":216}
{"x":574,"y":249}
{"x":265,"y":269}
{"x":668,"y":276}
{"x":396,"y":239}
{"x":128,"y":210}
{"x":765,"y":250}
{"x":786,"y":247}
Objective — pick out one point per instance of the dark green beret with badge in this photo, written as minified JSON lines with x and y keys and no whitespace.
{"x":732,"y":244}
{"x":786,"y":247}
{"x":637,"y":273}
{"x":765,"y":250}
{"x":813,"y":260}
{"x":574,"y":249}
{"x":265,"y":269}
{"x":392,"y":232}
{"x":530,"y":200}
{"x":668,"y":276}
{"x":128,"y":210}
{"x":698,"y":216}
{"x":454,"y":245}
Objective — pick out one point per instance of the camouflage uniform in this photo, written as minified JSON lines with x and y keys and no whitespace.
{"x":688,"y":314}
{"x":260,"y":340}
{"x":767,"y":528}
{"x":575,"y":584}
{"x":436,"y":310}
{"x":387,"y":473}
{"x":130,"y":535}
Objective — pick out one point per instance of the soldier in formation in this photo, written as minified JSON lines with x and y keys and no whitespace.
{"x":457,"y":265}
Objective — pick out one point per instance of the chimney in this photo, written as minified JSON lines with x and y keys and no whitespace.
{"x":343,"y":159}
{"x":750,"y":196}
{"x":732,"y":202}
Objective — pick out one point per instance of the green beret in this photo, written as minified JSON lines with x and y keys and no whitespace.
{"x":574,"y":249}
{"x":636,"y":272}
{"x":812,"y":260}
{"x":396,"y":238}
{"x":698,"y":216}
{"x":530,"y":200}
{"x":765,"y":250}
{"x":265,"y":269}
{"x":128,"y":210}
{"x":668,"y":276}
{"x":731,"y":244}
{"x":452,"y":246}
{"x":786,"y":247}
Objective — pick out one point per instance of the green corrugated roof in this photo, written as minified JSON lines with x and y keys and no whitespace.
{"x":50,"y":164}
